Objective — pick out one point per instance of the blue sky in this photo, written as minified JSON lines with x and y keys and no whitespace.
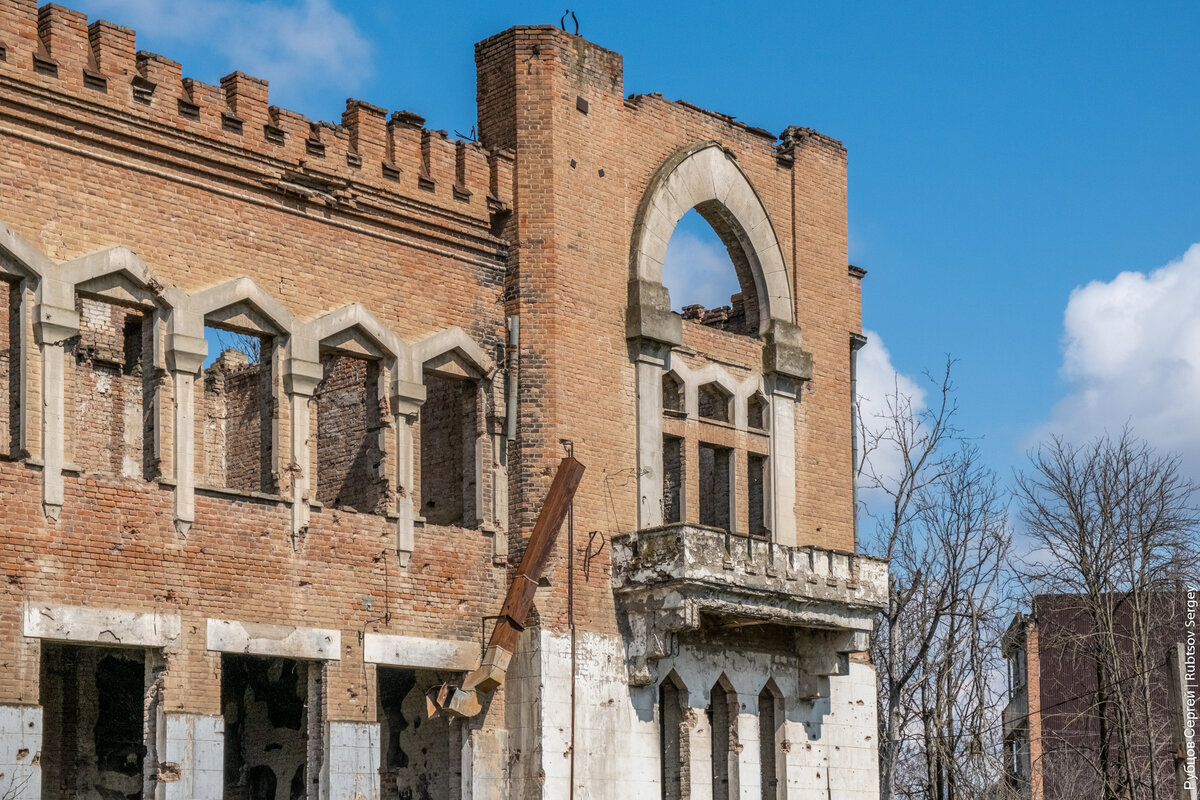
{"x":1002,"y":158}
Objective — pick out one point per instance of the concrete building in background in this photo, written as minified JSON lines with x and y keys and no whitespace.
{"x":1052,"y":729}
{"x":282,"y":400}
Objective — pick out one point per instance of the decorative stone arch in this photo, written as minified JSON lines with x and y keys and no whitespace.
{"x":115,"y":274}
{"x":239,"y":301}
{"x":453,"y":344}
{"x":453,"y":354}
{"x":706,"y":177}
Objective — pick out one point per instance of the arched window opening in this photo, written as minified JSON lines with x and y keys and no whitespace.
{"x":449,"y":433}
{"x":672,"y":395}
{"x":756,"y":412}
{"x":715,"y":402}
{"x":10,"y":367}
{"x":113,"y":381}
{"x":671,"y":741}
{"x":350,"y":472}
{"x":708,"y":274}
{"x":768,"y":742}
{"x":722,"y":716}
{"x":235,"y":406}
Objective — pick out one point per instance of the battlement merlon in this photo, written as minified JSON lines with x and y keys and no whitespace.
{"x":590,"y":63}
{"x":54,"y":49}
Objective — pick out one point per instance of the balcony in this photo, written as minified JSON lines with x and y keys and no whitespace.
{"x":684,"y":577}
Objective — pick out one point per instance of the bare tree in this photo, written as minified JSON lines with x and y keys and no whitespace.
{"x":1113,"y":534}
{"x":945,"y":532}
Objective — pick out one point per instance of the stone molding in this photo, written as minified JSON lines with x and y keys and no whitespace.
{"x":117,"y":274}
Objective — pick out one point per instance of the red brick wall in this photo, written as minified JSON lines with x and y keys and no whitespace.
{"x":113,"y":384}
{"x":546,"y":236}
{"x":348,"y":423}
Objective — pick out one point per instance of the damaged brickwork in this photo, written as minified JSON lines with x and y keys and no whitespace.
{"x":255,"y":564}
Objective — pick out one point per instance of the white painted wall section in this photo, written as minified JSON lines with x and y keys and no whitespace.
{"x":100,"y":626}
{"x":418,"y":652}
{"x":20,"y":746}
{"x":287,"y":641}
{"x":191,"y":746}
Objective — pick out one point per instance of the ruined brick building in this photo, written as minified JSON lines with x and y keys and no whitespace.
{"x":237,"y":574}
{"x":1052,"y":722}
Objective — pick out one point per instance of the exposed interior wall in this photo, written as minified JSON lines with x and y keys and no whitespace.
{"x":672,"y":737}
{"x":715,"y":509}
{"x":673,"y":477}
{"x":272,"y":709}
{"x":713,"y":403}
{"x":349,"y":417}
{"x":10,"y":384}
{"x":672,"y":394}
{"x":98,"y":706}
{"x":448,"y":437}
{"x":768,"y":743}
{"x":756,"y":412}
{"x":421,"y":757}
{"x":722,"y":714}
{"x":236,"y":407}
{"x":114,"y":381}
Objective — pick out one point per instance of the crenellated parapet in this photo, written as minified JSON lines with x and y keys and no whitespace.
{"x":55,"y":49}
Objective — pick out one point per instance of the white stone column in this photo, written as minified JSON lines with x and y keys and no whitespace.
{"x":351,"y":766}
{"x":407,"y":398}
{"x":651,"y":363}
{"x":749,"y":757}
{"x":484,"y":765}
{"x":301,"y":377}
{"x":699,"y":749}
{"x":783,"y":392}
{"x":191,"y":757}
{"x":185,"y":359}
{"x":54,"y":326}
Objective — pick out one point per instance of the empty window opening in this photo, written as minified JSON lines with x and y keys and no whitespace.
{"x":236,"y":407}
{"x":671,"y":741}
{"x":714,"y":486}
{"x":756,"y":494}
{"x":350,"y":456}
{"x":420,"y":756}
{"x":672,"y":395}
{"x":722,"y":715}
{"x":756,"y":412}
{"x":273,"y":727}
{"x":98,"y":710}
{"x":449,"y":432}
{"x":714,"y":402}
{"x":707,"y":272}
{"x":767,"y":738}
{"x":114,"y":383}
{"x":672,"y":479}
{"x":10,"y":368}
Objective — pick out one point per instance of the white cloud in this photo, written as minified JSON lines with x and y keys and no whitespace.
{"x":295,"y":45}
{"x":878,"y":384}
{"x":697,"y":269}
{"x":1132,"y":355}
